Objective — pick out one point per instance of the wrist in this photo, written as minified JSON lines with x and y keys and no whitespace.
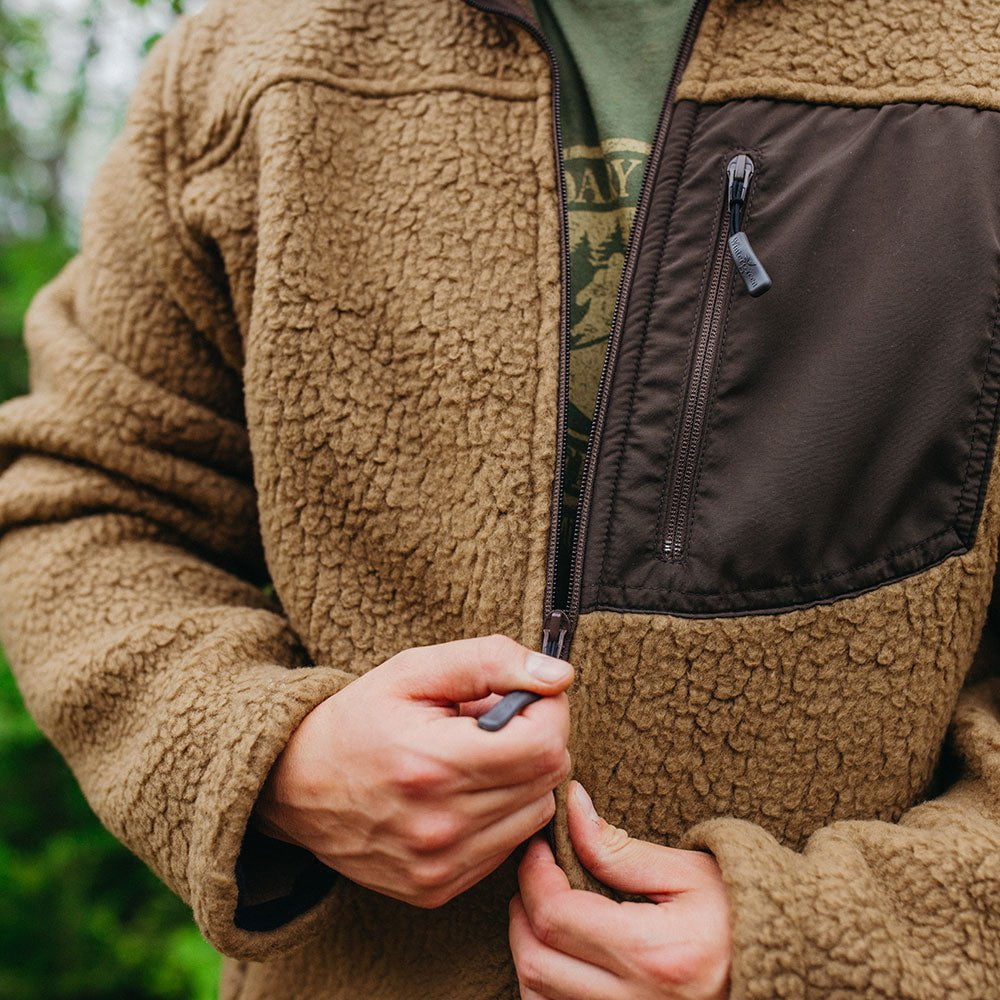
{"x":268,"y":814}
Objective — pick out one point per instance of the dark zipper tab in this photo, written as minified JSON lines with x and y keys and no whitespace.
{"x":556,"y":635}
{"x":756,"y":279}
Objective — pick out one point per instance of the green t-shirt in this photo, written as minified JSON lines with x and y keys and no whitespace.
{"x":615,"y":61}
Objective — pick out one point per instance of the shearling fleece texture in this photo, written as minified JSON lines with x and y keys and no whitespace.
{"x":847,"y":52}
{"x":311,"y":336}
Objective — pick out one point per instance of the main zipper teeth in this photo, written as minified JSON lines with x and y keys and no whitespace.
{"x":563,"y":391}
{"x":638,"y":225}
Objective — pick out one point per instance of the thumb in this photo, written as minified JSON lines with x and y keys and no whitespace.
{"x":471,"y":669}
{"x":624,"y":863}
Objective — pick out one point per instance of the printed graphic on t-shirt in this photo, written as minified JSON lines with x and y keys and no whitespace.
{"x":602,"y":188}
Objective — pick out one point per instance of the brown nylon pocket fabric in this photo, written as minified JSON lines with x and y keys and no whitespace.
{"x":852,"y":416}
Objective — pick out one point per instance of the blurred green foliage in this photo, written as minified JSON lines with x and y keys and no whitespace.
{"x":80,"y":917}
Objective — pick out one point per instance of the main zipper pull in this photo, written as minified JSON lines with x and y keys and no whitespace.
{"x":757,"y":280}
{"x":554,"y":635}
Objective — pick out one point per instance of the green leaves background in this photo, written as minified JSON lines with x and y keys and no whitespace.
{"x":80,"y":917}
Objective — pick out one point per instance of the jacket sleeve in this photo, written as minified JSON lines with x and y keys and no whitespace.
{"x":875,"y":909}
{"x":131,"y":605}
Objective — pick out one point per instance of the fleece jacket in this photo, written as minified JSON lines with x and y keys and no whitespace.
{"x":315,"y":338}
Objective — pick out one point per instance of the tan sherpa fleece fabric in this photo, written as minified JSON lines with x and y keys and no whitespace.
{"x":860,"y":52}
{"x":400,"y":441}
{"x":310,"y":337}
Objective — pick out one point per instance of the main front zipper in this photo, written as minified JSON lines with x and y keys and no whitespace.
{"x":561,"y":609}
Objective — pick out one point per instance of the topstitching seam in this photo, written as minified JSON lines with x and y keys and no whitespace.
{"x":977,"y":415}
{"x":501,"y":90}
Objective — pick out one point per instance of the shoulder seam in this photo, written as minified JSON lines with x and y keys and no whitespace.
{"x":512,"y":90}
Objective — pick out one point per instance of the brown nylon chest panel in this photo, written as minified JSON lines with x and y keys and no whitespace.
{"x":848,"y":416}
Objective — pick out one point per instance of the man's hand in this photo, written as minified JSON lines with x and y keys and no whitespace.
{"x":574,"y":945}
{"x":392,"y":783}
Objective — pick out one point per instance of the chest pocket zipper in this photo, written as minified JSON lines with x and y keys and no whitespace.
{"x":692,"y":420}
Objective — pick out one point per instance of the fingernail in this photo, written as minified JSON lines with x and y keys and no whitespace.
{"x":547,"y":668}
{"x":585,"y":802}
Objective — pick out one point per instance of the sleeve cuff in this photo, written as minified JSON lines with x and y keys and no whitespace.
{"x":253,"y":897}
{"x":276,"y":882}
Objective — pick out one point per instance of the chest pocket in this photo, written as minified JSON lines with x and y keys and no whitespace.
{"x":843,"y":422}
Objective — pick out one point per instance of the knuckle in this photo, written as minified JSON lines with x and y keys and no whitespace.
{"x":434,"y":899}
{"x":500,"y":647}
{"x":552,"y":756}
{"x":545,"y":923}
{"x":544,"y":809}
{"x":548,"y":809}
{"x":428,"y":901}
{"x":433,"y":833}
{"x":529,"y":972}
{"x":401,"y":661}
{"x":416,"y":775}
{"x":431,"y":877}
{"x":614,"y":839}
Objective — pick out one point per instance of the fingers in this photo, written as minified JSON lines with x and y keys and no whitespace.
{"x":473,"y":875}
{"x":486,"y":806}
{"x":584,"y":924}
{"x":545,"y":972}
{"x":631,"y":865}
{"x":512,"y":830}
{"x":441,"y":876}
{"x":533,"y":743}
{"x":470,"y":669}
{"x":481,"y":706}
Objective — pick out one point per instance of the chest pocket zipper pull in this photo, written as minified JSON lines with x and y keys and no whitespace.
{"x":757,"y":280}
